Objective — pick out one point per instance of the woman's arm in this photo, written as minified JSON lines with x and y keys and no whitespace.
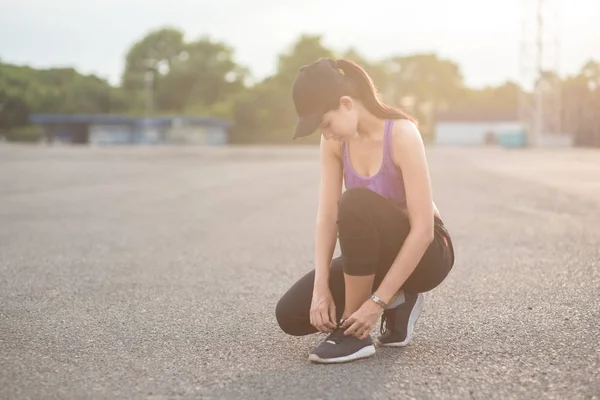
{"x":409,"y":153}
{"x":326,"y":226}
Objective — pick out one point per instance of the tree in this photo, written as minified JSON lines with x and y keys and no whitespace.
{"x":425,"y":77}
{"x":183,"y":76}
{"x":148,"y":61}
{"x":423,"y":84}
{"x":156,"y":52}
{"x":306,"y":50}
{"x":376,"y":70}
{"x":501,"y":99}
{"x":201,"y":77}
{"x":581,"y":102}
{"x":266,"y":111}
{"x":205,"y":76}
{"x":14,"y":112}
{"x":25,"y":90}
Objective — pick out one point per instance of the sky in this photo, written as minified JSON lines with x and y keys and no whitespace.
{"x":482,"y":36}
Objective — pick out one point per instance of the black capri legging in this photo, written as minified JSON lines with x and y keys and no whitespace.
{"x":371,"y":231}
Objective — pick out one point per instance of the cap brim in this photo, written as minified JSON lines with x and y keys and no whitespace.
{"x":307,"y":125}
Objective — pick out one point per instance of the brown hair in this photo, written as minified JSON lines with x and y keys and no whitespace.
{"x":361,"y":86}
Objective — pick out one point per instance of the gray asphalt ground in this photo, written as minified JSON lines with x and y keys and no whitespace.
{"x":153,"y":273}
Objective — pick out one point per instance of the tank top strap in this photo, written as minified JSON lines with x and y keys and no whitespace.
{"x":387,"y":141}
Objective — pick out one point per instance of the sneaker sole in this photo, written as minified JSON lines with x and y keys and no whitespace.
{"x":365,"y":352}
{"x":412,"y":320}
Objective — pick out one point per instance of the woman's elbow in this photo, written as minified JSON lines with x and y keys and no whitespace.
{"x":428,"y":236}
{"x":424,"y":232}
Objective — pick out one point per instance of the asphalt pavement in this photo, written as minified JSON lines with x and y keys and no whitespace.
{"x":153,"y":273}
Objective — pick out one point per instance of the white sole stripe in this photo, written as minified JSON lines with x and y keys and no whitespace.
{"x":365,"y":352}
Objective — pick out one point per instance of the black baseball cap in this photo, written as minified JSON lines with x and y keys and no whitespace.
{"x":316,"y":90}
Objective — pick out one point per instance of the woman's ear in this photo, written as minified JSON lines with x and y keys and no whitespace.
{"x":346,"y":102}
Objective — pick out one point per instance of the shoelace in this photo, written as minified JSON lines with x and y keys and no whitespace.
{"x":337,"y":335}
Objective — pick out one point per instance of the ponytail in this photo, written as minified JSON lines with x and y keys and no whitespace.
{"x":360,"y":85}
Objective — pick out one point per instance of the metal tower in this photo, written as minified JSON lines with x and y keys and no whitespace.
{"x":539,"y":59}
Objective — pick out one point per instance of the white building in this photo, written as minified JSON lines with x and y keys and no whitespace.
{"x":475,"y":128}
{"x":478,"y":128}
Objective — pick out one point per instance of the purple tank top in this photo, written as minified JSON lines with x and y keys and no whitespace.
{"x":387,"y":181}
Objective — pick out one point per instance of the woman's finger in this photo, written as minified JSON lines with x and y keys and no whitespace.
{"x":315,"y":320}
{"x":360,"y":331}
{"x":332,"y":317}
{"x":325,"y":324}
{"x":348,"y":322}
{"x":323,"y":320}
{"x":330,"y":323}
{"x":330,"y":326}
{"x":319,"y":321}
{"x":365,"y":333}
{"x":352,"y":329}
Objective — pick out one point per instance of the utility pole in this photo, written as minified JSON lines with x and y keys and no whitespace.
{"x":149,"y":81}
{"x":539,"y":103}
{"x":538,"y":124}
{"x":150,"y":65}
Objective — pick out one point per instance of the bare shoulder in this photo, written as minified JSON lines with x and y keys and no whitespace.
{"x":409,"y":154}
{"x":406,"y":140}
{"x":331,"y":178}
{"x":405,"y":130}
{"x":331,"y":149}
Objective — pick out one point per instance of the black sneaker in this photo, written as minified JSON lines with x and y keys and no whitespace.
{"x":339,"y":348}
{"x":398,"y":323}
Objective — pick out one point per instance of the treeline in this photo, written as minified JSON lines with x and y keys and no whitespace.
{"x":165,"y":74}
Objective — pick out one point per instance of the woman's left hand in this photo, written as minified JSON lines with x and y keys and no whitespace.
{"x":361,"y":322}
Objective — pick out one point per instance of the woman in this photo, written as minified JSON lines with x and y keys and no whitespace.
{"x":393,"y":243}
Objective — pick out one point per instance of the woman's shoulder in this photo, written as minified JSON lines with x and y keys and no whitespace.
{"x":406,"y":138}
{"x":331,"y":148}
{"x":331,"y":155}
{"x":405,"y":127}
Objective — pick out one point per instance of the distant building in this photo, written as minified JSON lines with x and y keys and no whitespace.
{"x":102,"y":129}
{"x":475,"y":128}
{"x":479,"y":128}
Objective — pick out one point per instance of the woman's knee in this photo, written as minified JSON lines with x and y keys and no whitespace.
{"x":353,"y":201}
{"x":284,"y":315}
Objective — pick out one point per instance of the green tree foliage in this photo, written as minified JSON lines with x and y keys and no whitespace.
{"x":376,"y":70}
{"x":177,"y":76}
{"x":154,"y":54}
{"x":194,"y":76}
{"x":426,"y":78}
{"x":24,"y":90}
{"x":265,"y":112}
{"x":581,"y":105}
{"x":499,"y":99}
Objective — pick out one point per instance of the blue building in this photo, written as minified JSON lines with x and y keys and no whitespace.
{"x":107,"y":129}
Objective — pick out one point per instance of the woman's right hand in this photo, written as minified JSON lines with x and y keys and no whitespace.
{"x":322,"y":310}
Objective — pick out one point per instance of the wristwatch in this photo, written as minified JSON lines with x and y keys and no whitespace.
{"x":379,"y":301}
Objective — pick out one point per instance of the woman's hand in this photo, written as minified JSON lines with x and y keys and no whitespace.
{"x":322,"y":310}
{"x":361,"y":322}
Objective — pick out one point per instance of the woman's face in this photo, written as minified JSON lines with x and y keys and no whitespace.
{"x":340,"y":124}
